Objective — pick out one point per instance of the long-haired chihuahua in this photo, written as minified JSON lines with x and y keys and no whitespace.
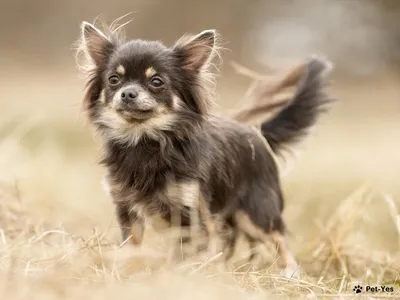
{"x":165,"y":151}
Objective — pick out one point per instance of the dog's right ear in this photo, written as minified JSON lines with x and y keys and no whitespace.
{"x":96,"y":44}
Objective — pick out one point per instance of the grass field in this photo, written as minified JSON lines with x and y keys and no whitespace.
{"x":59,"y":238}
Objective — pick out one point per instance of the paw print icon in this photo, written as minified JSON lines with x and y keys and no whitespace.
{"x":357,"y":289}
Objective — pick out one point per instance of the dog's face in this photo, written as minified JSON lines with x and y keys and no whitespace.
{"x":140,"y":87}
{"x":137,"y":85}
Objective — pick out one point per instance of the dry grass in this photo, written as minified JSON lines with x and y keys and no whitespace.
{"x":59,"y":239}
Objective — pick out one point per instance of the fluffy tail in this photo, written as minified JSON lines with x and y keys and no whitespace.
{"x":293,"y":123}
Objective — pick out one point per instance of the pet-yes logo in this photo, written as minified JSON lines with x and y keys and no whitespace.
{"x":357,"y":289}
{"x":373,"y":289}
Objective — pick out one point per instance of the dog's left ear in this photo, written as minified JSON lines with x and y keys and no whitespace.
{"x":195,"y":52}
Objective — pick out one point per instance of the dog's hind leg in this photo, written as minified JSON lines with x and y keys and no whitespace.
{"x":230,"y":236}
{"x":291,"y":267}
{"x":264,"y":235}
{"x":255,"y":257}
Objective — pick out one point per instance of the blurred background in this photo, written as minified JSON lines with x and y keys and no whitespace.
{"x":48,"y":157}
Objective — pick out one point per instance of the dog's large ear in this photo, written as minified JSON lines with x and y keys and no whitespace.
{"x":96,"y":44}
{"x":196,"y":52}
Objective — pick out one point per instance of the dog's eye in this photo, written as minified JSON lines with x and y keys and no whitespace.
{"x":156,"y":82}
{"x":114,"y":79}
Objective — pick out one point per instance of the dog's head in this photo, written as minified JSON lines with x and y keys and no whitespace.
{"x":143,"y":88}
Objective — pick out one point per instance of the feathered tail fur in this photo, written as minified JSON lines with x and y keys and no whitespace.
{"x":293,"y":123}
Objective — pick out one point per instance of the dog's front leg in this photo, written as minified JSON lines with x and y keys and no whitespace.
{"x":214,"y":242}
{"x":131,"y":224}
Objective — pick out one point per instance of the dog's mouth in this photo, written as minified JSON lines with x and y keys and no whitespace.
{"x":135,"y":114}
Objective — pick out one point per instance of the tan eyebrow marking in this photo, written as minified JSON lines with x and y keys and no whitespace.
{"x":150,"y":72}
{"x":121,"y":70}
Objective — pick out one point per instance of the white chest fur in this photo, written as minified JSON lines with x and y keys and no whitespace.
{"x":176,"y":195}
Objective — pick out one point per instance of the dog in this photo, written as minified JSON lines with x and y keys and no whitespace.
{"x":167,"y":153}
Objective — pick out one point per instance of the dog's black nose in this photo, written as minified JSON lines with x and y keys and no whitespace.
{"x":128,"y":95}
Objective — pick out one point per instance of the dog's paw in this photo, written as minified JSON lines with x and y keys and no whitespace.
{"x":292,"y":271}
